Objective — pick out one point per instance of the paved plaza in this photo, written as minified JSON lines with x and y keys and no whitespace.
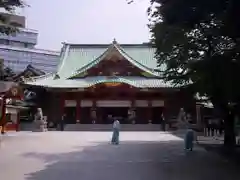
{"x":89,"y":156}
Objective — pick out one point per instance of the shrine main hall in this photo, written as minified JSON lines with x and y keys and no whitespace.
{"x":95,"y":82}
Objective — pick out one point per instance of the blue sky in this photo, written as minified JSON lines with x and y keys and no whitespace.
{"x":87,"y":21}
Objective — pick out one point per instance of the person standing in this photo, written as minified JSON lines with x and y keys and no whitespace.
{"x":221,"y":127}
{"x":115,"y":134}
{"x":62,"y":122}
{"x":189,"y":138}
{"x":163,"y":123}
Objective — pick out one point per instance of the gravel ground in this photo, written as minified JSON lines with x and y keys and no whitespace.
{"x":89,"y":156}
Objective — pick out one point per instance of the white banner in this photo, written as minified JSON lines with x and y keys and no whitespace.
{"x":141,"y":103}
{"x":70,"y":103}
{"x":113,"y":103}
{"x":86,"y":103}
{"x":158,"y":103}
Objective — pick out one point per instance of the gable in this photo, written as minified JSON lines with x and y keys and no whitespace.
{"x":113,"y":67}
{"x":30,"y":71}
{"x":76,"y":59}
{"x":112,"y":64}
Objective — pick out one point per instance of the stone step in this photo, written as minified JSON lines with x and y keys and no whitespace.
{"x":27,"y":126}
{"x":108,"y":127}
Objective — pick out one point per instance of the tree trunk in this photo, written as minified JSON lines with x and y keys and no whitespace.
{"x":229,"y":135}
{"x":228,"y":113}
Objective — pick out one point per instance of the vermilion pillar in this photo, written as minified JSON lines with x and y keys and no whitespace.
{"x":78,"y":108}
{"x":3,"y":118}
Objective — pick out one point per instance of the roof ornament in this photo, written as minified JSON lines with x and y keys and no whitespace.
{"x":56,"y":77}
{"x":114,"y":41}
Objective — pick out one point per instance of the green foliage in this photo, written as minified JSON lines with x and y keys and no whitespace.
{"x":8,"y":28}
{"x":6,"y":73}
{"x":9,"y":6}
{"x":199,"y":44}
{"x":199,"y":41}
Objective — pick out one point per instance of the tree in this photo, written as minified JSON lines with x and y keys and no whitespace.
{"x":10,"y":6}
{"x":6,"y":73}
{"x":7,"y":28}
{"x":199,"y":43}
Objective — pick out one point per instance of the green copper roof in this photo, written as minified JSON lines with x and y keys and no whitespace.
{"x":138,"y":82}
{"x":76,"y":59}
{"x":121,"y":51}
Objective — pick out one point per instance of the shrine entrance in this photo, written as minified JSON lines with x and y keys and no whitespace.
{"x":110,"y":109}
{"x":157,"y":115}
{"x":109,"y":113}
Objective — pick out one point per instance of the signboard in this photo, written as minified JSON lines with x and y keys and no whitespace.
{"x":112,"y":84}
{"x":70,"y":103}
{"x":157,"y":103}
{"x":113,"y":103}
{"x":86,"y":103}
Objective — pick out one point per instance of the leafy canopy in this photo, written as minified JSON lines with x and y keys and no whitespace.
{"x":9,"y":6}
{"x":199,"y":43}
{"x":6,"y":28}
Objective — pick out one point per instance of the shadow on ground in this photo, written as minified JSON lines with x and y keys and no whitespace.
{"x":218,"y":148}
{"x":132,"y":160}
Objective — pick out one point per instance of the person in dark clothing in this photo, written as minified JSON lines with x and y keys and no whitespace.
{"x":212,"y":126}
{"x":163,"y":123}
{"x":109,"y":119}
{"x":221,"y":127}
{"x":62,"y":122}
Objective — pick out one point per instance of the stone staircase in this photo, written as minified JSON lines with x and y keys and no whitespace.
{"x":108,"y":127}
{"x":98,"y":127}
{"x":27,"y":126}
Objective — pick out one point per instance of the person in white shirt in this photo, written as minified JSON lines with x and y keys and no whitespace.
{"x":115,"y":135}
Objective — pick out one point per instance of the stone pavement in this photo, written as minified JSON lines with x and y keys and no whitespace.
{"x":89,"y":156}
{"x":213,"y":140}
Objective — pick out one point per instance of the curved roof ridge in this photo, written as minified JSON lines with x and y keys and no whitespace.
{"x":129,"y":58}
{"x":63,"y":56}
{"x":92,"y":63}
{"x":143,"y":82}
{"x":123,"y":53}
{"x":114,"y":79}
{"x":122,"y":50}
